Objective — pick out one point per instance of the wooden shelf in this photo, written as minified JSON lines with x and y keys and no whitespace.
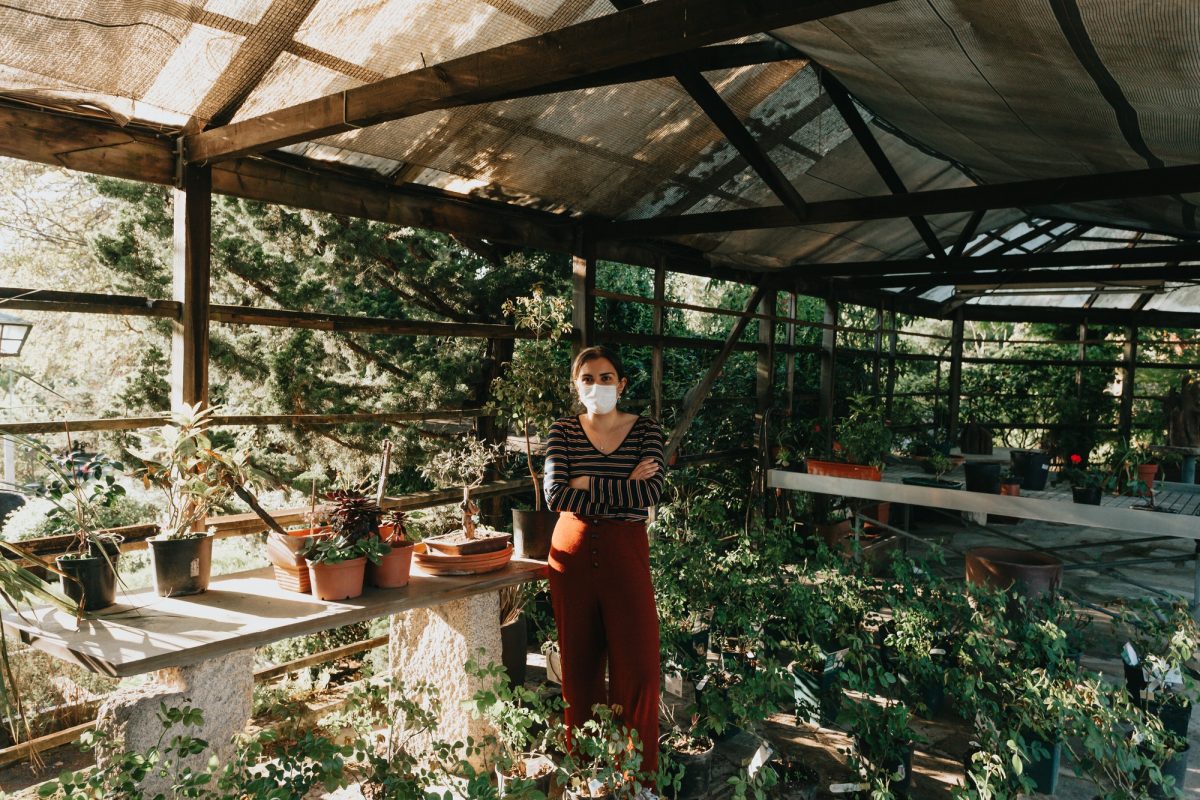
{"x":144,"y":632}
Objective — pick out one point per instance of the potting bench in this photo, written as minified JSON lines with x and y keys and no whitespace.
{"x":1177,"y":518}
{"x":200,"y":648}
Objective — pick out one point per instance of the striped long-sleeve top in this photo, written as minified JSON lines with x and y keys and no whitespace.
{"x":570,"y":454}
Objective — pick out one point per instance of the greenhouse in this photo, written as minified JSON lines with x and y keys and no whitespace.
{"x":599,"y":398}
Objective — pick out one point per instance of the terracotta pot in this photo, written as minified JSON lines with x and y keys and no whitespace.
{"x":392,"y":572}
{"x":1006,"y":490}
{"x":836,"y":469}
{"x":291,"y":569}
{"x":1025,"y":572}
{"x":340,"y":581}
{"x":1146,"y":474}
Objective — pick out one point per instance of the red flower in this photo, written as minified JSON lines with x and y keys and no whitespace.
{"x":816,"y":428}
{"x":1076,"y":458}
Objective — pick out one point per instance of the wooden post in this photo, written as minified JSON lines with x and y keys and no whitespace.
{"x":1127,"y":381}
{"x":790,"y":358}
{"x":1083,"y":335}
{"x":875,"y":362}
{"x":190,"y":277}
{"x":893,"y":342}
{"x":764,"y":385}
{"x":828,"y":361}
{"x":489,"y":430}
{"x":697,"y":394}
{"x":583,"y":283}
{"x":955,"y":382}
{"x":656,"y":358}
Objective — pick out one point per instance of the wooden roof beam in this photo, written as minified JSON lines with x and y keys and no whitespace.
{"x":663,"y":28}
{"x":1020,"y":194}
{"x":870,"y":146}
{"x":734,"y":131}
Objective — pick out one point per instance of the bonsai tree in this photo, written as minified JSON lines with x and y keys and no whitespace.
{"x":530,"y":394}
{"x":192,"y":473}
{"x":466,"y":466}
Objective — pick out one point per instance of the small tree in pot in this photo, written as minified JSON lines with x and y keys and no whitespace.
{"x":466,"y":466}
{"x":530,"y":396}
{"x":193,"y":475}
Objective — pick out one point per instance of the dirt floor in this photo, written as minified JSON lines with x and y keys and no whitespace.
{"x":936,"y":767}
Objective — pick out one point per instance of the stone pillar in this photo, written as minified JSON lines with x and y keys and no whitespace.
{"x":433,"y":645}
{"x":221,"y":688}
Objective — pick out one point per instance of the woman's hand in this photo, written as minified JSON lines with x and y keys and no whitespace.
{"x":646,"y":469}
{"x":583,"y":482}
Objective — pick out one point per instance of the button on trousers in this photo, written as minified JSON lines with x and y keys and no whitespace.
{"x":604,"y":608}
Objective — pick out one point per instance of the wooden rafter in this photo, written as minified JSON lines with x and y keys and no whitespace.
{"x":1019,"y":194}
{"x":870,"y":145}
{"x":1045,"y":277}
{"x":664,"y":28}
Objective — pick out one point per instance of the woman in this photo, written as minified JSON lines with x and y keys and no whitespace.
{"x":604,"y":470}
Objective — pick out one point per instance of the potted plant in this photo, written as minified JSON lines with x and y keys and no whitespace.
{"x":78,"y":485}
{"x":1132,"y":470}
{"x":337,"y":565}
{"x":395,"y":566}
{"x":525,"y":729}
{"x":882,"y":748}
{"x":285,"y":547}
{"x":863,"y":439}
{"x":937,"y":464}
{"x":528,"y":396}
{"x":1163,"y":639}
{"x":466,"y":466}
{"x":605,"y":758}
{"x":193,"y":475}
{"x":690,"y":752}
{"x":1087,"y":485}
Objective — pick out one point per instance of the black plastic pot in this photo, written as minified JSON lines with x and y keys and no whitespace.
{"x":1086,"y":495}
{"x":1033,"y":466}
{"x":818,"y":694}
{"x":983,"y":477}
{"x":181,"y":566}
{"x":532,"y":531}
{"x":514,"y":645}
{"x":95,"y":584}
{"x":1044,"y":771}
{"x":697,"y":771}
{"x":1175,"y":768}
{"x":1175,"y":716}
{"x":899,"y":786}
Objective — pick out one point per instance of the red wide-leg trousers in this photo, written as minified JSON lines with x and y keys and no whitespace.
{"x":604,"y":607}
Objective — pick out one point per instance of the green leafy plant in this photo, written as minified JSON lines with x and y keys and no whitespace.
{"x":354,"y":519}
{"x":464,"y":465}
{"x":191,"y":472}
{"x":531,"y":393}
{"x":883,"y":742}
{"x":864,"y":434}
{"x":524,"y":723}
{"x":605,"y":758}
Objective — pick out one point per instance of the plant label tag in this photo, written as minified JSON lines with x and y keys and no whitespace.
{"x":761,"y":756}
{"x":1129,"y":655}
{"x":846,"y":788}
{"x":837,"y":658}
{"x":703,"y":682}
{"x":194,"y":568}
{"x":937,"y":651}
{"x":673,"y":683}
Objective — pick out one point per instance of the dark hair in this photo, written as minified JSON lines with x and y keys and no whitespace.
{"x":591,"y":354}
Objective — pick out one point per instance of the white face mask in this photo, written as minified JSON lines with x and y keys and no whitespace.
{"x":599,"y":399}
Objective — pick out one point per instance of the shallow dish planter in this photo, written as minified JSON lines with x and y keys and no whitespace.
{"x":457,"y":543}
{"x":339,"y":581}
{"x":532,"y":531}
{"x":932,"y":483}
{"x":181,"y":566}
{"x":695,"y":755}
{"x":95,"y":584}
{"x":1025,"y":572}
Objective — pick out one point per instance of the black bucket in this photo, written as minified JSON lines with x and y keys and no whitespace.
{"x":1033,"y":466}
{"x":532,"y":531}
{"x":983,"y":477}
{"x":181,"y":566}
{"x":95,"y":581}
{"x":514,"y":641}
